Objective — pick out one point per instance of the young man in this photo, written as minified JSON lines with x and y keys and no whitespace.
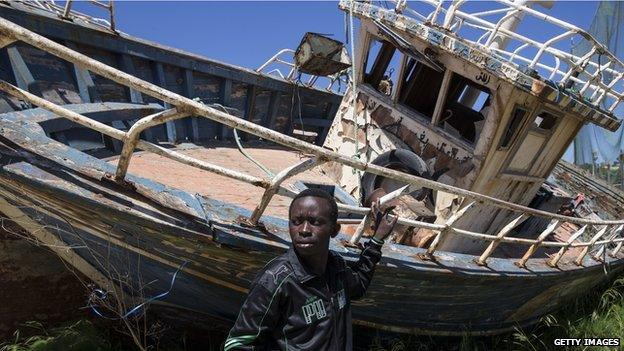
{"x":302,"y":300}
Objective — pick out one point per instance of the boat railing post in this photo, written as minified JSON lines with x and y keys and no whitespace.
{"x":482,"y":260}
{"x":609,"y":88}
{"x":553,"y":262}
{"x":276,"y":183}
{"x":111,"y":10}
{"x":598,"y":256}
{"x":599,"y":234}
{"x":616,"y":103}
{"x":450,"y":13}
{"x":131,"y":137}
{"x":618,"y":247}
{"x":554,"y":224}
{"x":448,"y":227}
{"x":622,"y":172}
{"x":546,"y":45}
{"x":67,"y":10}
{"x":434,"y":15}
{"x":578,"y":66}
{"x":496,"y":28}
{"x":366,"y":221}
{"x":359,"y":231}
{"x":274,"y":58}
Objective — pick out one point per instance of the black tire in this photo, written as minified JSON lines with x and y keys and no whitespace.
{"x":401,"y":160}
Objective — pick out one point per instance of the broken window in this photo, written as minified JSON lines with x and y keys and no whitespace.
{"x":512,"y":127}
{"x":465,"y":109}
{"x":544,"y":121}
{"x":420,"y":87}
{"x":532,"y":144}
{"x":382,"y":62}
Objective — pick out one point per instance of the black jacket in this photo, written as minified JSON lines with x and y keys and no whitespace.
{"x":289,"y":308}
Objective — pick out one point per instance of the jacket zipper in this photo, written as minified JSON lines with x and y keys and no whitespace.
{"x":333,"y":315}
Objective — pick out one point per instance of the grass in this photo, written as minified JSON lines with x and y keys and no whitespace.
{"x":78,"y":336}
{"x":597,"y":314}
{"x":102,"y":335}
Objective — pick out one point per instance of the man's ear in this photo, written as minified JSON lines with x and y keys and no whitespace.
{"x":336,"y":230}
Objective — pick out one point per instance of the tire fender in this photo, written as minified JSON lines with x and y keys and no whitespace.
{"x":398,"y":159}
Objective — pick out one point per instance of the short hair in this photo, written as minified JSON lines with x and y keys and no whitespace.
{"x":315,"y":192}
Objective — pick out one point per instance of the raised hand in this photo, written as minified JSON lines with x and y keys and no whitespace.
{"x":384,"y":219}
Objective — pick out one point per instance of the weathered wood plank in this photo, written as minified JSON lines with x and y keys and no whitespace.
{"x":226,"y":100}
{"x":159,"y":79}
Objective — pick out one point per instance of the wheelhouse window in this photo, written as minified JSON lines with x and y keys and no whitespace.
{"x":382,"y":62}
{"x":512,"y":127}
{"x":465,"y":109}
{"x":533,"y":142}
{"x":420,"y":87}
{"x":544,"y":122}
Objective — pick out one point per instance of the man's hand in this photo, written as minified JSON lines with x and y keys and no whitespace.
{"x":384,"y":219}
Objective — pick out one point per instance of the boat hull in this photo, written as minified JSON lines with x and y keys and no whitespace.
{"x":147,"y":232}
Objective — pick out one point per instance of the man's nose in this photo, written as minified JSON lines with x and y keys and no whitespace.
{"x":305,"y":228}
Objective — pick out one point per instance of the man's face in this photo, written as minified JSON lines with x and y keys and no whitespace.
{"x":310,"y":225}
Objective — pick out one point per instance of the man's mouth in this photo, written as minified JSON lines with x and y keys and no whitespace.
{"x":305,"y":243}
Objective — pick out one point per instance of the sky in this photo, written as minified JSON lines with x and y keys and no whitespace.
{"x":248,"y":33}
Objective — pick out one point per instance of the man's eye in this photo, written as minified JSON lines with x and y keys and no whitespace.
{"x":296,"y":221}
{"x":316,"y":222}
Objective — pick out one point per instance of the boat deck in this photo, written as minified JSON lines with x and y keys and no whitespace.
{"x":225,"y":154}
{"x":275,"y":158}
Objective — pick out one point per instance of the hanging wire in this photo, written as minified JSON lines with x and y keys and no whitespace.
{"x":297,"y":82}
{"x":101,"y":295}
{"x":242,"y":150}
{"x":295,"y":92}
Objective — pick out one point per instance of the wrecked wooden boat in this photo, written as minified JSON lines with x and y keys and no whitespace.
{"x":464,"y":137}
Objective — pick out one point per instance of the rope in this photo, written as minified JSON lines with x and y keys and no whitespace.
{"x":101,"y":295}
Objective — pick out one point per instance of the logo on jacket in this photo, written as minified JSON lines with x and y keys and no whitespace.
{"x":314,"y":308}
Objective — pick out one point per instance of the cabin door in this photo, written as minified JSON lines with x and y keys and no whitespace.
{"x":527,"y":158}
{"x":524,"y":157}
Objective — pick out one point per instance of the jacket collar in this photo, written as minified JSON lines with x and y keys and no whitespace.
{"x":303,"y":275}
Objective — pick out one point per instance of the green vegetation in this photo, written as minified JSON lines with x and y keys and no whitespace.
{"x":600,"y":314}
{"x":103,"y":335}
{"x":79,"y":336}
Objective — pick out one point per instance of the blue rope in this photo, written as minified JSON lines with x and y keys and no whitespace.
{"x":102,"y":295}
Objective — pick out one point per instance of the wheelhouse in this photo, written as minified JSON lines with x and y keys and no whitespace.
{"x":475,"y":120}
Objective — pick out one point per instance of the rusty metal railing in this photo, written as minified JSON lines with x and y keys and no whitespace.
{"x":184,"y":107}
{"x":66,"y":12}
{"x":285,"y":58}
{"x":598,"y":75}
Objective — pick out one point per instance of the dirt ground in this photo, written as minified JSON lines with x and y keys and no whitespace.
{"x":35,"y":285}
